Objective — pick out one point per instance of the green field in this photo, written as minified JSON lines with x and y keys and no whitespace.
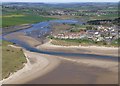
{"x":12,"y":59}
{"x":10,"y":20}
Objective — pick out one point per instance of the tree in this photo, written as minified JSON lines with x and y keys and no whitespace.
{"x":89,"y":27}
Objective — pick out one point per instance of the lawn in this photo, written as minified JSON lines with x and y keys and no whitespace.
{"x":13,"y":59}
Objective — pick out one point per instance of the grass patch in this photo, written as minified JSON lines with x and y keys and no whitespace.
{"x":72,"y":42}
{"x":64,"y":43}
{"x":82,"y":42}
{"x":18,"y":20}
{"x":12,"y":59}
{"x":13,"y":16}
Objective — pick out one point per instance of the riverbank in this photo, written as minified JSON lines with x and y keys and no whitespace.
{"x":49,"y":69}
{"x":100,"y":50}
{"x":15,"y":28}
{"x":13,"y":59}
{"x":36,"y":65}
{"x":48,"y":46}
{"x":22,"y":37}
{"x":97,"y":71}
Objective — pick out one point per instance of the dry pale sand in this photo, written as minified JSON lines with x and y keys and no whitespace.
{"x":37,"y":65}
{"x":21,"y":36}
{"x":112,"y":51}
{"x":109,"y":65}
{"x":81,"y":71}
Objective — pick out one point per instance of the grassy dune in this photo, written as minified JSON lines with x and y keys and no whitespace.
{"x":13,"y":59}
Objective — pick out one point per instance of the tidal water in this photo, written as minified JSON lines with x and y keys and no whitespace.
{"x":43,"y":28}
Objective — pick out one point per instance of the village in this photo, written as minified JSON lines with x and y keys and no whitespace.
{"x":101,"y":33}
{"x":79,"y":10}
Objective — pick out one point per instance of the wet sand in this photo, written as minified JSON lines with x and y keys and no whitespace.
{"x":15,"y":28}
{"x":26,"y":39}
{"x":37,"y":65}
{"x":110,"y":51}
{"x":71,"y":70}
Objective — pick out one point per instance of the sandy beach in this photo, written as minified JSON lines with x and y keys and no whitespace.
{"x":46,"y":69}
{"x":100,"y":50}
{"x":21,"y":36}
{"x":81,"y":71}
{"x":37,"y":65}
{"x":49,"y":69}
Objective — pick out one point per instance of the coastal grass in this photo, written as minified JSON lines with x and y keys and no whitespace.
{"x":63,"y":16}
{"x":64,"y":43}
{"x":72,"y":42}
{"x":83,"y":42}
{"x":13,"y":59}
{"x":13,"y":20}
{"x":13,"y":15}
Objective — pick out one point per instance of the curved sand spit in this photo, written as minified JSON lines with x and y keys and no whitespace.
{"x":36,"y":66}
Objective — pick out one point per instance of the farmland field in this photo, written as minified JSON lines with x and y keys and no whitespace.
{"x":12,"y":20}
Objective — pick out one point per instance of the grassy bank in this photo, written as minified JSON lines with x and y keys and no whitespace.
{"x":13,"y":59}
{"x":71,"y":42}
{"x":83,"y":42}
{"x":12,"y":20}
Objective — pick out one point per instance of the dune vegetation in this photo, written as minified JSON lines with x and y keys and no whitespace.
{"x":13,"y":59}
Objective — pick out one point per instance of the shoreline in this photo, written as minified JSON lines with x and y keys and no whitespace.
{"x":80,"y":46}
{"x":45,"y":66}
{"x":12,"y":29}
{"x":100,"y":50}
{"x":37,"y":65}
{"x":48,"y":46}
{"x":48,"y":64}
